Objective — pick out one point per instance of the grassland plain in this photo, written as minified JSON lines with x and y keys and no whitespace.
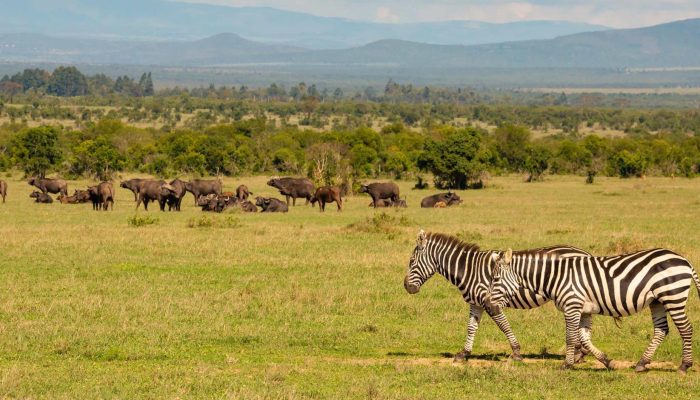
{"x":311,"y":305}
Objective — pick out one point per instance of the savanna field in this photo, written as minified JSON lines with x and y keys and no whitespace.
{"x":311,"y":305}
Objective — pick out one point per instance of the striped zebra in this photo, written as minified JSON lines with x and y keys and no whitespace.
{"x":469,"y":268}
{"x":616,"y":286}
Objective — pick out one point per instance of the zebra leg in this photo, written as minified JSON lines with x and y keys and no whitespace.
{"x":503,"y":324}
{"x":573,"y":321}
{"x":472,"y":326}
{"x":658,"y":316}
{"x":686,"y":331}
{"x":584,"y":331}
{"x":588,"y":347}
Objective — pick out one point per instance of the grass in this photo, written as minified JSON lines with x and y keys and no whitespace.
{"x":311,"y":305}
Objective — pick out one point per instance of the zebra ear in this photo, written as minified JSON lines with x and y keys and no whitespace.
{"x":421,"y":240}
{"x":508,"y":257}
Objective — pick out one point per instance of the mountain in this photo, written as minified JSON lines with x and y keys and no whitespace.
{"x":668,"y":45}
{"x":170,"y":20}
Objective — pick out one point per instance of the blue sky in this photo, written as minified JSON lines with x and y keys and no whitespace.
{"x":614,"y":13}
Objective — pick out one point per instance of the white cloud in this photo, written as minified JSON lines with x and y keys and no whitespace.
{"x":616,"y":13}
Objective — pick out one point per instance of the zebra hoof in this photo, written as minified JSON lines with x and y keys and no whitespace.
{"x":683,"y":369}
{"x":578,"y":358}
{"x":641,"y":367}
{"x":461,"y":356}
{"x":608,"y":363}
{"x":566,"y":366}
{"x":517,"y":357}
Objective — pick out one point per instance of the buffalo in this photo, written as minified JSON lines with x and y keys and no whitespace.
{"x":41,"y":197}
{"x":134,"y":185}
{"x":49,"y":185}
{"x":270,"y":204}
{"x":385,"y":203}
{"x":3,"y":190}
{"x":296,"y":188}
{"x":379,"y":191}
{"x":153,"y":190}
{"x":327,"y":194}
{"x":74,"y":199}
{"x":179,"y":192}
{"x":248,"y":206}
{"x":217,"y":203}
{"x":449,"y":198}
{"x":201,"y":187}
{"x":242,"y":192}
{"x":102,"y":195}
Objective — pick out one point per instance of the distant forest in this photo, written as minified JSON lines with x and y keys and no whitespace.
{"x":75,"y":125}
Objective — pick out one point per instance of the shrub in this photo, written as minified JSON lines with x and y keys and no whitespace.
{"x":137,"y":221}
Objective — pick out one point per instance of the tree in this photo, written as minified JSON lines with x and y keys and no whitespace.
{"x":36,"y":151}
{"x":146,"y":84}
{"x":457,"y":160}
{"x":511,"y":143}
{"x":537,"y":162}
{"x":10,"y":88}
{"x":98,"y":157}
{"x":67,"y":82}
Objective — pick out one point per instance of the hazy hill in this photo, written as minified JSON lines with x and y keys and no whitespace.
{"x":668,"y":45}
{"x":160,"y":19}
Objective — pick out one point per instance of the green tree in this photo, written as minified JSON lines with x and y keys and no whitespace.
{"x":67,"y":82}
{"x":457,"y":160}
{"x":36,"y":150}
{"x":98,"y":157}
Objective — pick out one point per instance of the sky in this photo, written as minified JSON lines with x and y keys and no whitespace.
{"x":612,"y":13}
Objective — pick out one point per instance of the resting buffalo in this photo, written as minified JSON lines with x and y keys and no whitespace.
{"x":3,"y":190}
{"x":41,"y":197}
{"x":50,"y":185}
{"x":296,"y":188}
{"x":378,"y":191}
{"x":217,"y":203}
{"x":134,"y":185}
{"x":384,"y":203}
{"x":102,"y":195}
{"x":247,"y":206}
{"x":242,"y":192}
{"x":449,"y":198}
{"x":179,"y":192}
{"x":271,"y":204}
{"x":201,"y":187}
{"x":327,"y":194}
{"x":154,"y":191}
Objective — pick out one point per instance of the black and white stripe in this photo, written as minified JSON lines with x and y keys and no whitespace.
{"x":469,"y":268}
{"x":617,"y":286}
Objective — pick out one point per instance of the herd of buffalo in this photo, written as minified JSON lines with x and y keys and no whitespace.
{"x":209,"y":194}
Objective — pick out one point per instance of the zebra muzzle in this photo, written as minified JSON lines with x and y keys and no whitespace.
{"x":411,"y":289}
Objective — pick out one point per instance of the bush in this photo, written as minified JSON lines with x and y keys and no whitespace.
{"x":206,"y":221}
{"x":458,"y":160}
{"x":137,"y":221}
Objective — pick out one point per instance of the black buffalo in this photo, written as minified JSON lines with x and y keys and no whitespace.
{"x":379,"y":191}
{"x":41,"y":197}
{"x":134,"y":185}
{"x":296,"y":188}
{"x":270,"y":204}
{"x":201,"y":187}
{"x":179,"y":192}
{"x":327,"y":194}
{"x":101,"y":196}
{"x":242,"y":192}
{"x":449,"y":198}
{"x":50,"y":185}
{"x":248,"y":206}
{"x":217,"y":203}
{"x":3,"y":190}
{"x":153,"y":190}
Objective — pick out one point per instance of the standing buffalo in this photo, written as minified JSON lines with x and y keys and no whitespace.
{"x":134,"y":185}
{"x":378,"y":191}
{"x":101,"y":196}
{"x":294,"y":188}
{"x":449,"y":198}
{"x":50,"y":185}
{"x":3,"y":190}
{"x":179,"y":192}
{"x":154,"y":191}
{"x":41,"y":197}
{"x":327,"y":194}
{"x":201,"y":187}
{"x":270,"y":204}
{"x":242,"y":192}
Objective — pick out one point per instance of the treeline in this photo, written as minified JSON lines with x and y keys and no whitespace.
{"x":456,"y":157}
{"x":70,"y":82}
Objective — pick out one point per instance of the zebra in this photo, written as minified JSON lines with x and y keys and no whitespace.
{"x":616,"y":286}
{"x":469,"y":268}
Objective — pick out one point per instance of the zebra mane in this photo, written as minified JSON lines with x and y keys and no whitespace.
{"x":453,"y":240}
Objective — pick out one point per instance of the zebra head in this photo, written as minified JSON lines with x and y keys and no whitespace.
{"x":504,"y":283}
{"x":421,"y":266}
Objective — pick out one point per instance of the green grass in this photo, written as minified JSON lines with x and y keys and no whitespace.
{"x":311,"y":305}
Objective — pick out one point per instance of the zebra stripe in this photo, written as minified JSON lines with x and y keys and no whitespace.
{"x":469,"y":269}
{"x":616,"y":286}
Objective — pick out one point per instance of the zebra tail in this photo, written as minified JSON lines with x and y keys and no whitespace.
{"x":696,"y":279}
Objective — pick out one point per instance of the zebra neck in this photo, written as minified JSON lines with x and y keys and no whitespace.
{"x":462,"y":266}
{"x":537,"y":273}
